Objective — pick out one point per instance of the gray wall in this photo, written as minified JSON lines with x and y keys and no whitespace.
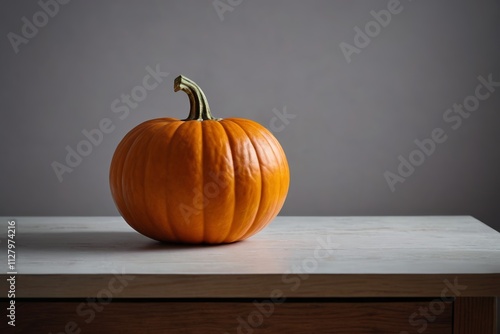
{"x":352,"y":120}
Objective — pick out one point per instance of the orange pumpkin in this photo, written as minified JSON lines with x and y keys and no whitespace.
{"x":199,"y":180}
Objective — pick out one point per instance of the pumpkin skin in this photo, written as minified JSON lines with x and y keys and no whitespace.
{"x":201,"y":180}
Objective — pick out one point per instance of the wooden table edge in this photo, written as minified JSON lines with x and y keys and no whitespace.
{"x":255,"y":285}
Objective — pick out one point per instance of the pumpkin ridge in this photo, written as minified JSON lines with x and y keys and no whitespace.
{"x":244,"y":234}
{"x":284,"y":167}
{"x":163,"y":225}
{"x":116,"y":173}
{"x":202,"y":162}
{"x":145,"y":170}
{"x":231,"y":227}
{"x":125,"y":201}
{"x":235,"y":233}
{"x":167,"y":211}
{"x":277,"y":157}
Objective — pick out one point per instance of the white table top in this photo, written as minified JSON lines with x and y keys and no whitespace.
{"x":424,"y":247}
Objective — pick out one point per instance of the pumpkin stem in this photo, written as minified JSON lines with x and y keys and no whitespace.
{"x":199,"y":109}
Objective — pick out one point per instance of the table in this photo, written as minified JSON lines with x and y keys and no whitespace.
{"x":423,"y":274}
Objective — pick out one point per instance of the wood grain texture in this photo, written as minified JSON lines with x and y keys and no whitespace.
{"x":472,"y":315}
{"x":232,"y":317}
{"x":340,"y":256}
{"x":293,"y":285}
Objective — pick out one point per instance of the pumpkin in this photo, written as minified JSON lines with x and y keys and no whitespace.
{"x":201,"y":179}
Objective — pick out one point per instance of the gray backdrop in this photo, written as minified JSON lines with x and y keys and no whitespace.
{"x":346,"y":124}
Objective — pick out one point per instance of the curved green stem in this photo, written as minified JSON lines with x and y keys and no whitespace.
{"x":199,"y":109}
